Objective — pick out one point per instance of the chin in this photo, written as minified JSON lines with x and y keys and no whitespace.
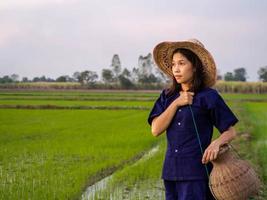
{"x":179,"y":81}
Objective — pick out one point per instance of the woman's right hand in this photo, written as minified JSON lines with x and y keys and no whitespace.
{"x":185,"y":98}
{"x":162,"y":122}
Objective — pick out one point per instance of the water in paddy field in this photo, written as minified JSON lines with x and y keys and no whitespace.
{"x":143,"y":190}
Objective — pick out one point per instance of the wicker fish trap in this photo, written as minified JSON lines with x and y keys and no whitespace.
{"x":233,"y":178}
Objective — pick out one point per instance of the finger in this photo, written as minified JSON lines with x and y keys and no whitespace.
{"x":204,"y":157}
{"x":203,"y":160}
{"x":212,"y":156}
{"x":207,"y":157}
{"x":191,"y":93}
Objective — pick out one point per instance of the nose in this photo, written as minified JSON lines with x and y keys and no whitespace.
{"x":176,"y":68}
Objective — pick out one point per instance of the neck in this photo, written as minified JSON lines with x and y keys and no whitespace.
{"x":185,"y":87}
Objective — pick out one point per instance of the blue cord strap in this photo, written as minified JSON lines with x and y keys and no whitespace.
{"x":201,"y":149}
{"x":199,"y":141}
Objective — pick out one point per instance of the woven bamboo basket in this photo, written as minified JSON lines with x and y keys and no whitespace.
{"x":233,"y":178}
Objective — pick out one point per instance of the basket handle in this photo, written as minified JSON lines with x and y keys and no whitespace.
{"x":223,"y":149}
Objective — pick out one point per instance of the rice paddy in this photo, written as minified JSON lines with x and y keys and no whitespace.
{"x":56,"y":153}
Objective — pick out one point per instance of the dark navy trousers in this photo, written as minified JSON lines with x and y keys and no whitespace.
{"x":187,"y":190}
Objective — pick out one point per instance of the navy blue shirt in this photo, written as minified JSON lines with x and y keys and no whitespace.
{"x":183,"y":155}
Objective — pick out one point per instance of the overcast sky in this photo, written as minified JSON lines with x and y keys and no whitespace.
{"x":59,"y":37}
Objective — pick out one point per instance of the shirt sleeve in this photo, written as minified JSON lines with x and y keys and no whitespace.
{"x":221,"y":115}
{"x":158,"y":108}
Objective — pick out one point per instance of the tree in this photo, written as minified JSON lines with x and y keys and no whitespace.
{"x":145,"y":64}
{"x":6,"y":79}
{"x":92,"y":77}
{"x":88,"y":77}
{"x":229,"y":76}
{"x":76,"y":76}
{"x":107,"y":76}
{"x":126,"y":73}
{"x":262,"y":72}
{"x":65,"y":78}
{"x":25,"y":79}
{"x":14,"y":77}
{"x":125,"y":82}
{"x":116,"y":65}
{"x":148,"y":79}
{"x":42,"y":79}
{"x":70,"y":79}
{"x":50,"y":79}
{"x":162,"y":77}
{"x":147,"y":71}
{"x":36,"y":79}
{"x":61,"y":79}
{"x":135,"y":75}
{"x":240,"y":74}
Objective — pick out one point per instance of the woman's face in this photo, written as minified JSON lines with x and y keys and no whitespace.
{"x":182,"y":69}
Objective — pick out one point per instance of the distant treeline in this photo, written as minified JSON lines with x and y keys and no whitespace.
{"x":221,"y":86}
{"x":145,"y":76}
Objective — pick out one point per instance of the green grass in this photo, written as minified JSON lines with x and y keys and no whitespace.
{"x":55,"y":154}
{"x":77,"y":103}
{"x":117,"y":94}
{"x":121,"y":99}
{"x":73,"y":93}
{"x":258,"y":120}
{"x":51,"y":154}
{"x":144,"y":180}
{"x":138,"y":181}
{"x":241,"y":97}
{"x":253,"y":117}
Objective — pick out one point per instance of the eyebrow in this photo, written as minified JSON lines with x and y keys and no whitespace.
{"x":180,"y":60}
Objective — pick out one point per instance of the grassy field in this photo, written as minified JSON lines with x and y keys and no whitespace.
{"x":56,"y":154}
{"x":257,"y":122}
{"x":77,"y":103}
{"x":48,"y":154}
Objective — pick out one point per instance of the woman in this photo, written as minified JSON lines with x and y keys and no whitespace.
{"x":187,"y":111}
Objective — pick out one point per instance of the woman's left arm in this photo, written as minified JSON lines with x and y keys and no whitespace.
{"x":212,"y":150}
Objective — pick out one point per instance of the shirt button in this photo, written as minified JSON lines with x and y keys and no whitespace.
{"x":180,"y":110}
{"x":176,"y":150}
{"x":179,"y":123}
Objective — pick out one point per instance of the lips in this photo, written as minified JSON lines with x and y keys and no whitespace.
{"x":178,"y":76}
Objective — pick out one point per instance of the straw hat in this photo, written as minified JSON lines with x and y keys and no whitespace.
{"x":163,"y":57}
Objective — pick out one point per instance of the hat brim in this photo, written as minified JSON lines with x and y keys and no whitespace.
{"x":163,"y":53}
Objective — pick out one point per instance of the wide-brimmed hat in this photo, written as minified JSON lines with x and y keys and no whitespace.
{"x":163,"y":53}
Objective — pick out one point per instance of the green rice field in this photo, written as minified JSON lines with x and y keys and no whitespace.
{"x":98,"y":145}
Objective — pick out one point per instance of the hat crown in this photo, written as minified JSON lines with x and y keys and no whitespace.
{"x":195,"y":41}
